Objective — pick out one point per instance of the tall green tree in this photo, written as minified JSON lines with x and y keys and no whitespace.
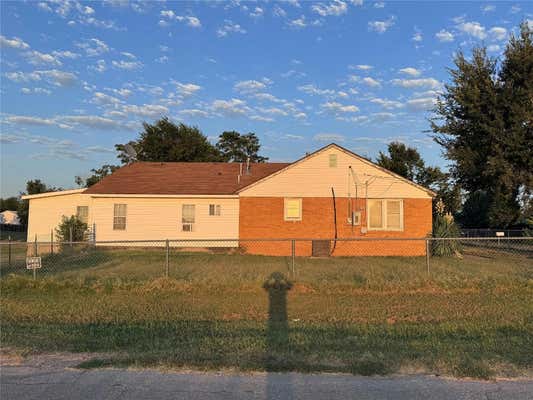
{"x":9,"y":203}
{"x":483,"y":121}
{"x":35,"y":186}
{"x":165,"y":141}
{"x":235,"y":147}
{"x":97,"y":175}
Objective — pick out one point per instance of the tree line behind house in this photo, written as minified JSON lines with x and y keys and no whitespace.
{"x":483,"y":120}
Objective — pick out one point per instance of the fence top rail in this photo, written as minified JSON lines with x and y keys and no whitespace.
{"x":359,"y":239}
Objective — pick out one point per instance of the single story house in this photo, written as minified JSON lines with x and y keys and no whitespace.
{"x":331,"y":193}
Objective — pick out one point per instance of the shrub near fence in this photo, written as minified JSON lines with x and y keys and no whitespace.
{"x":175,"y":258}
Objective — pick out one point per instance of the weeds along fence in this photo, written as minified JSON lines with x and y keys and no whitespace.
{"x":181,"y":259}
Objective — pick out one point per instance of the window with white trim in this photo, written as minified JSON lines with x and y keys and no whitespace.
{"x":293,"y":209}
{"x":119,"y":217}
{"x":187,"y":217}
{"x":385,"y":215}
{"x":214,"y":209}
{"x":82,"y":212}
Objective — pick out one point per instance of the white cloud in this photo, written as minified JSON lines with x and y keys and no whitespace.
{"x":336,"y":8}
{"x":257,"y":12}
{"x":311,"y":89}
{"x":229,"y":27}
{"x":336,"y":108}
{"x":65,"y":54}
{"x":488,"y":8}
{"x":418,"y":83}
{"x":279,"y":12}
{"x":328,"y":137}
{"x":473,"y":28}
{"x":361,"y":67}
{"x":127,"y":65}
{"x":410,"y":71}
{"x":194,"y":112}
{"x":191,"y":21}
{"x":93,"y":121}
{"x":379,"y":4}
{"x":371,"y":82}
{"x":29,"y":120}
{"x":53,"y":76}
{"x":99,"y":67}
{"x":162,"y":59}
{"x":232,"y":107}
{"x":105,"y":99}
{"x":261,"y":118}
{"x":498,"y":33}
{"x":386,"y":103}
{"x":444,"y":36}
{"x":35,"y":90}
{"x":421,"y":104}
{"x":381,"y":26}
{"x":417,"y":37}
{"x":301,"y":22}
{"x":186,"y":89}
{"x":13,"y":43}
{"x":493,"y":48}
{"x":37,"y":58}
{"x":249,"y":86}
{"x":94,"y":47}
{"x":146,"y":110}
{"x":515,"y":9}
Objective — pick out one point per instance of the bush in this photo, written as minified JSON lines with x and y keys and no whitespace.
{"x":444,"y":226}
{"x":71,"y":224}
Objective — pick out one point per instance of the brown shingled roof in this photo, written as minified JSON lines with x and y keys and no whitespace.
{"x":179,"y":178}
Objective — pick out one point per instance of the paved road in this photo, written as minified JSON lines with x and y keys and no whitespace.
{"x":52,"y":377}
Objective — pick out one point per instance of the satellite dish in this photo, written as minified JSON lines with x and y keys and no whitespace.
{"x":130,"y":151}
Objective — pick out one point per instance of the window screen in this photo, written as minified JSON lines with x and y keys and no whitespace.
{"x":293,"y":209}
{"x":187,"y":217}
{"x":119,"y":217}
{"x":82,"y":212}
{"x":375,"y":214}
{"x":394,"y":214}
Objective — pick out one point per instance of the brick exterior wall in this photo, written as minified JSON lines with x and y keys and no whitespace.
{"x":262,"y":217}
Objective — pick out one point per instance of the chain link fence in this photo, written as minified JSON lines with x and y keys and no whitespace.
{"x":222,"y":259}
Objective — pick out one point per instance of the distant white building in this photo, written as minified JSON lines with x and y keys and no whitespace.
{"x":9,"y":218}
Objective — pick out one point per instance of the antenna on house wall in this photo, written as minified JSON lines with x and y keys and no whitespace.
{"x":130,"y":151}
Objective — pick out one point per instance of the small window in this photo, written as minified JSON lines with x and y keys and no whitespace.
{"x":214,"y":209}
{"x":385,"y":215}
{"x":119,"y":217}
{"x":333,"y":160}
{"x":82,"y":212}
{"x":293,"y":209}
{"x":187,"y":217}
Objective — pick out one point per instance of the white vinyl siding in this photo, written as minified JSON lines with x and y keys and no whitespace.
{"x":214,"y":209}
{"x":385,"y":215}
{"x":82,"y":212}
{"x":188,"y":212}
{"x":119,"y":217}
{"x":293,"y":210}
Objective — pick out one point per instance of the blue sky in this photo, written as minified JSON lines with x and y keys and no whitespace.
{"x":79,"y":77}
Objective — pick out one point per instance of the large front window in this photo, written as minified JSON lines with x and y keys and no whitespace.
{"x":293,"y":209}
{"x":385,"y":215}
{"x":82,"y":212}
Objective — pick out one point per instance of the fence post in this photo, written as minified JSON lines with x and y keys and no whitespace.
{"x":167,"y":250}
{"x":293,"y":254}
{"x":427,"y":255}
{"x":36,"y":254}
{"x":51,"y":241}
{"x":9,"y":251}
{"x":70,"y":235}
{"x":94,"y":233}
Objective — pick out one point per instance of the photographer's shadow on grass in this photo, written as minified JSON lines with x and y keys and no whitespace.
{"x":277,"y":336}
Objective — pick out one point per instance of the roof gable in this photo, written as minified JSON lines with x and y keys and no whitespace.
{"x":381,"y":172}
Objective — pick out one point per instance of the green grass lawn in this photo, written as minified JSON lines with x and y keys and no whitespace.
{"x":364,"y":315}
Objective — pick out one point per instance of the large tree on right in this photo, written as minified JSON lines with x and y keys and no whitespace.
{"x":484,"y":121}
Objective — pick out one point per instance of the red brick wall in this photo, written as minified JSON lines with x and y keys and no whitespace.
{"x":262,"y":217}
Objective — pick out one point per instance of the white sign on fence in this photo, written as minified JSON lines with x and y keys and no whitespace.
{"x":500,"y":234}
{"x":33,"y":262}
